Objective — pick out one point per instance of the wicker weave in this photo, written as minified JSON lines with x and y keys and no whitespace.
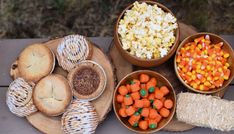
{"x":205,"y":111}
{"x":72,"y":50}
{"x":19,"y":98}
{"x":80,"y":117}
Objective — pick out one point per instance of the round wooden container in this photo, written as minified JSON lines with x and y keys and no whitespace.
{"x":102,"y":104}
{"x":123,"y":67}
{"x":214,"y":40}
{"x":139,"y":61}
{"x":161,"y":81}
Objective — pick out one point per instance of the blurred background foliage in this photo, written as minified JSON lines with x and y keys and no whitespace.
{"x":53,"y":18}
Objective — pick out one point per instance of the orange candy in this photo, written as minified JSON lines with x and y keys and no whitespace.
{"x":165,"y":90}
{"x":128,"y":87}
{"x":158,"y":94}
{"x":145,"y":112}
{"x":141,"y":101}
{"x":138,"y":103}
{"x":135,"y":81}
{"x":123,"y":105}
{"x":143,"y":86}
{"x":158,"y":118}
{"x":120,"y":98}
{"x":144,"y":78}
{"x":150,"y":84}
{"x":123,"y":90}
{"x":168,"y":103}
{"x":157,"y":104}
{"x":151,"y":97}
{"x":130,"y":110}
{"x":135,"y":96}
{"x":135,"y":118}
{"x":163,"y":99}
{"x":154,"y":81}
{"x":153,"y":113}
{"x":143,"y":125}
{"x":203,"y":64}
{"x":122,"y":112}
{"x":135,"y":87}
{"x":164,"y":112}
{"x":146,"y":103}
{"x":128,"y":100}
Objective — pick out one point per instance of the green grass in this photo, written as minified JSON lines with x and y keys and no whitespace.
{"x":53,"y":18}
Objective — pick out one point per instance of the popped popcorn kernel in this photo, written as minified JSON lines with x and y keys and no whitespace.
{"x":147,"y":31}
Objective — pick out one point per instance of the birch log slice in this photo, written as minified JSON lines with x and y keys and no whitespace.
{"x":52,"y":125}
{"x":167,"y":69}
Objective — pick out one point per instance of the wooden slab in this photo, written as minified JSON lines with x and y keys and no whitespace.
{"x":123,"y":67}
{"x":10,"y":48}
{"x":103,"y":104}
{"x":166,"y":69}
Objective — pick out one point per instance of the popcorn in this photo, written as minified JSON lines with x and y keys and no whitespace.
{"x":147,"y":31}
{"x":163,"y":51}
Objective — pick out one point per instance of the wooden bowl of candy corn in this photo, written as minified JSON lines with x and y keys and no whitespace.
{"x":204,"y":63}
{"x":144,"y":101}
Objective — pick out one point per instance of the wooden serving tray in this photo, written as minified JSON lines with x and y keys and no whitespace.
{"x":166,"y":69}
{"x":52,"y":125}
{"x":119,"y":69}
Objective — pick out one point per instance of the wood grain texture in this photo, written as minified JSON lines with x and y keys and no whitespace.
{"x":102,"y":105}
{"x":166,"y":69}
{"x":122,"y":66}
{"x":161,"y":81}
{"x":11,"y":124}
{"x":11,"y":48}
{"x":40,"y":122}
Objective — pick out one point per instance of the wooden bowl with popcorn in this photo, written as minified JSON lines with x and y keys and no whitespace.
{"x":146,"y":33}
{"x":204,"y":63}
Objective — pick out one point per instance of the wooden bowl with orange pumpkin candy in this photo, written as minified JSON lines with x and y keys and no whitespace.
{"x":204,"y":63}
{"x":144,"y":101}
